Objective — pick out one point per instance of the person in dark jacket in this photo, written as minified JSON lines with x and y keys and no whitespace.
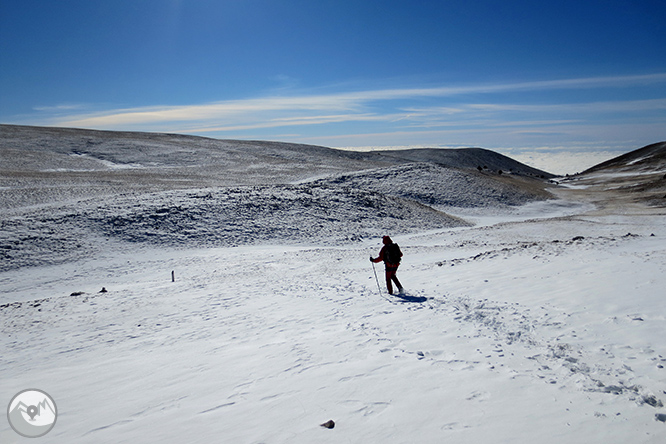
{"x":390,"y":254}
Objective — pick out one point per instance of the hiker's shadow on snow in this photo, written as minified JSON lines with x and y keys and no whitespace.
{"x":413,"y":299}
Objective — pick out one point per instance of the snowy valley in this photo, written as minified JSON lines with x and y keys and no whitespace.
{"x":240,"y":305}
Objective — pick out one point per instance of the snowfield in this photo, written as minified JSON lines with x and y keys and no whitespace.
{"x":530,"y":316}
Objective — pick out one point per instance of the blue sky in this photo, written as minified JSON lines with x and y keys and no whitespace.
{"x":566,"y":77}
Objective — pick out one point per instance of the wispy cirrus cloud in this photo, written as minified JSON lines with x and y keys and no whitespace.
{"x":467,"y":114}
{"x":298,"y":121}
{"x":518,"y":114}
{"x":64,"y":107}
{"x":586,"y":107}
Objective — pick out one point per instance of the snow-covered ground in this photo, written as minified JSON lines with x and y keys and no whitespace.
{"x":543,"y":322}
{"x":525,"y":335}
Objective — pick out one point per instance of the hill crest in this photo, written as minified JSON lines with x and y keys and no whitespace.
{"x":155,"y":150}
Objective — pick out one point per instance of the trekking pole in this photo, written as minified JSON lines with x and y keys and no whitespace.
{"x":377,"y":280}
{"x":378,"y":287}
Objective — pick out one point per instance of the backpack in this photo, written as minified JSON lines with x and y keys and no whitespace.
{"x":393,"y":254}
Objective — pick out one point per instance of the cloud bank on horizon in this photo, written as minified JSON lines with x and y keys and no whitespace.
{"x":518,"y":77}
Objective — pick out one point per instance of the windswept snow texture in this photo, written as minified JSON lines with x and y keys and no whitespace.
{"x":538,"y":329}
{"x":230,"y":216}
{"x":433,"y":184}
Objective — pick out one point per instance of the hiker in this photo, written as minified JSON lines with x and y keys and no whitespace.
{"x":390,"y":254}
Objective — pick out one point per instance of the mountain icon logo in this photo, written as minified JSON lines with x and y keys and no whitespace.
{"x":32,"y":413}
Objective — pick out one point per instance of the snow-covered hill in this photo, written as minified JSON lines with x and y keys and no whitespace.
{"x":70,"y":194}
{"x":637,"y":177}
{"x":43,"y":165}
{"x":651,"y":158}
{"x":46,"y":165}
{"x":444,"y":187}
{"x":468,"y":158}
{"x":541,"y":323}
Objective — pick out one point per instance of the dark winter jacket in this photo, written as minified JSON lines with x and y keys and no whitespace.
{"x":384,"y":257}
